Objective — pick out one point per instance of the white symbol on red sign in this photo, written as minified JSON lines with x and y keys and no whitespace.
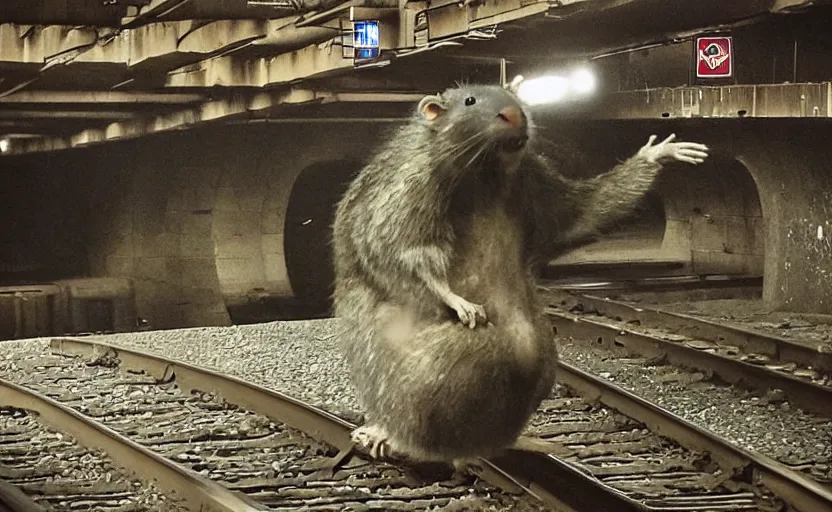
{"x":713,"y":57}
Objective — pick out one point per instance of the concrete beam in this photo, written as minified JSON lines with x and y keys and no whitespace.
{"x":313,"y":61}
{"x":770,"y":100}
{"x":326,"y":57}
{"x":33,"y":44}
{"x":237,"y":106}
{"x":789,"y":6}
{"x":68,"y":114}
{"x":157,"y":46}
{"x":181,"y":47}
{"x":155,"y":9}
{"x":98,"y":97}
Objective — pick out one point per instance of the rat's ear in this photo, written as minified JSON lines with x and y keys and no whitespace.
{"x":515,"y":84}
{"x":431,"y":107}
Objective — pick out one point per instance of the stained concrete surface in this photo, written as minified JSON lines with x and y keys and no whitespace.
{"x":198,"y":219}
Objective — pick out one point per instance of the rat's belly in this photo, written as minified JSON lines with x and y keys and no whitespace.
{"x":488,"y":266}
{"x":488,"y":269}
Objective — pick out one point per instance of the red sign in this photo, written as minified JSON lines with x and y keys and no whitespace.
{"x":714,"y":57}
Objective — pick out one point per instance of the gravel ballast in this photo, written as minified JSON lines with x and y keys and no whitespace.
{"x":765,"y":424}
{"x":302,"y":359}
{"x":299,"y":358}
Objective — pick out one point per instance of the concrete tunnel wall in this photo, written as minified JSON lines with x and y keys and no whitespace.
{"x":714,"y":219}
{"x":197,"y":219}
{"x":792,"y":163}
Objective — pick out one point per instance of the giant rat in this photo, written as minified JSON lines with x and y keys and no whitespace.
{"x":437,"y":243}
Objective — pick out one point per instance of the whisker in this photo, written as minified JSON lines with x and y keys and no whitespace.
{"x":477,"y":154}
{"x":460,"y":148}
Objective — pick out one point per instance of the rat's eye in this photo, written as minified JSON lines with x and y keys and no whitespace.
{"x":470,"y":100}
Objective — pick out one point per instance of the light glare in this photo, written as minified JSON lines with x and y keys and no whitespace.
{"x":4,"y":145}
{"x":582,"y":81}
{"x":546,"y":89}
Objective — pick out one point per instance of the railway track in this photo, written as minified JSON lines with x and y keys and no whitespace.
{"x":46,"y":468}
{"x":754,"y":360}
{"x":236,"y":458}
{"x":224,"y":444}
{"x":269,"y":452}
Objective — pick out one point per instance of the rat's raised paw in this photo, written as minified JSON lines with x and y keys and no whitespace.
{"x":667,"y":151}
{"x":469,"y":313}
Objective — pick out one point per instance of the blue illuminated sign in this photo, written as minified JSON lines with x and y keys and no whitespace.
{"x":366,"y":39}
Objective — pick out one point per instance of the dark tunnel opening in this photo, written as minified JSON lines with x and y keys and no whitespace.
{"x":308,"y":229}
{"x":45,"y":224}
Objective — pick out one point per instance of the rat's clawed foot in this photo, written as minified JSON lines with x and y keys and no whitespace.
{"x":467,"y":466}
{"x":372,"y":439}
{"x":468,"y":312}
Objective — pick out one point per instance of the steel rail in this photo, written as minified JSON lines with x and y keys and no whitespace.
{"x":656,"y":284}
{"x":540,"y":474}
{"x":13,"y":499}
{"x":610,"y":269}
{"x":781,"y":349}
{"x":199,"y":493}
{"x":801,"y":493}
{"x":801,"y":392}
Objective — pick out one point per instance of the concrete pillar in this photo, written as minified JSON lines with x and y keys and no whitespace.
{"x":792,"y":163}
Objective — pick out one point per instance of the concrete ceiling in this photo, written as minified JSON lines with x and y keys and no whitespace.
{"x":78,"y":72}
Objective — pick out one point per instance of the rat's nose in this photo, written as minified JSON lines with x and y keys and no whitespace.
{"x":512,"y":116}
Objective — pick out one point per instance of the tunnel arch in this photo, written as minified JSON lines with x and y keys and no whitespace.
{"x":713,"y":217}
{"x":308,"y":227}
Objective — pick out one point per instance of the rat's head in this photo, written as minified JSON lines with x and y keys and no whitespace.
{"x":482,"y":120}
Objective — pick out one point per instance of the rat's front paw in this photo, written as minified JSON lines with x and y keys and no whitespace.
{"x":468,"y":312}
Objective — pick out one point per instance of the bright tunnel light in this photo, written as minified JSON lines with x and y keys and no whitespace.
{"x":4,"y":145}
{"x":546,"y":89}
{"x":582,"y":81}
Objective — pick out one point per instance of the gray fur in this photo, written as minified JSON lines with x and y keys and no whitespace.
{"x":424,"y":214}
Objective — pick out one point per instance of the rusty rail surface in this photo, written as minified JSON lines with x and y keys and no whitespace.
{"x":636,"y":284}
{"x":777,"y":347}
{"x":802,"y":494}
{"x":542,"y":475}
{"x":199,"y":494}
{"x":12,"y":499}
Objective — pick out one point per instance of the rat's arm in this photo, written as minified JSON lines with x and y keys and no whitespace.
{"x":430,"y":264}
{"x":568,"y":214}
{"x":422,"y":249}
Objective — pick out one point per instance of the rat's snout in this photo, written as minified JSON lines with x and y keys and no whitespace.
{"x":513,"y":116}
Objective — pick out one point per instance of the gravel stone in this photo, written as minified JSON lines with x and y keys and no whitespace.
{"x":60,"y":474}
{"x":300,"y":358}
{"x":208,"y":438}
